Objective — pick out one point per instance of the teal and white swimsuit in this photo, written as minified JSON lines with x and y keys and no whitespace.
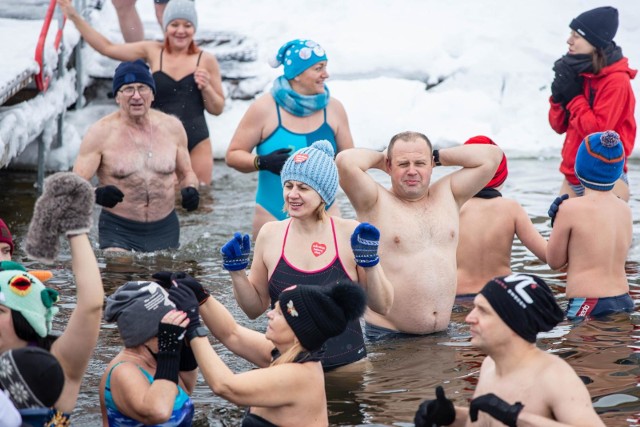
{"x":182,"y":415}
{"x":269,"y":193}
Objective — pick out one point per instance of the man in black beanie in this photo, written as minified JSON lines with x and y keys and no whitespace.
{"x":136,"y":153}
{"x":519,"y":383}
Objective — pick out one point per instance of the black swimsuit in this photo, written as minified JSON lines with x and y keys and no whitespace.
{"x":348,"y":347}
{"x":183,"y":99}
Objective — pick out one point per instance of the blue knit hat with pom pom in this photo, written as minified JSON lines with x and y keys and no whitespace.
{"x":317,"y":313}
{"x":298,"y":55}
{"x":315,"y":167}
{"x":600,"y":160}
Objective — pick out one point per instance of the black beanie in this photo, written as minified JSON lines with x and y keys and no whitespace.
{"x":31,"y":376}
{"x":525,"y":303}
{"x":133,"y":72}
{"x":317,"y":313}
{"x":598,"y":26}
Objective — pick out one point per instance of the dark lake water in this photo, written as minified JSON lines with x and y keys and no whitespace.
{"x":400,"y":373}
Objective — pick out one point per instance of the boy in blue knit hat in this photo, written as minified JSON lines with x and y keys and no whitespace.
{"x":592,"y":235}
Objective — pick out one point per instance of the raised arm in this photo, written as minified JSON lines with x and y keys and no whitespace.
{"x":358,"y":185}
{"x":75,"y":347}
{"x":529,"y":235}
{"x":121,"y":52}
{"x":209,"y":81}
{"x":251,"y":291}
{"x":245,"y":342}
{"x":479,"y":163}
{"x":252,"y":388}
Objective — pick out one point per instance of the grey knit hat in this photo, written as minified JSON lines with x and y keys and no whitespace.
{"x":138,"y":307}
{"x":180,"y":9}
{"x":315,"y":167}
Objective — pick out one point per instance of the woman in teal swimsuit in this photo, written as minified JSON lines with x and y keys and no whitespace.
{"x":149,"y":381}
{"x":296,"y":112}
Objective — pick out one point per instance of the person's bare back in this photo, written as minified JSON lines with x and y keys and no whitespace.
{"x":487,"y":230}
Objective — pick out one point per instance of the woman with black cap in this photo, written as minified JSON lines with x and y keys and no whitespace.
{"x":591,"y":92}
{"x":289,"y":387}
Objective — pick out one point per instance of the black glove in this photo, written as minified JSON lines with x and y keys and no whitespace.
{"x":166,"y":279}
{"x":497,"y":408}
{"x":553,"y":209}
{"x":566,"y":85}
{"x":188,"y":360}
{"x":190,"y":198}
{"x":439,"y":412}
{"x":186,"y":301}
{"x":273,"y":161}
{"x":108,"y":196}
{"x":170,"y":338}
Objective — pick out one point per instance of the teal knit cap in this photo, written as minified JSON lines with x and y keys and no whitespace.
{"x":23,"y":292}
{"x":298,"y":55}
{"x":315,"y":167}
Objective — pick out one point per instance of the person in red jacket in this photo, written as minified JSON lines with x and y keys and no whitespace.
{"x":591,"y":92}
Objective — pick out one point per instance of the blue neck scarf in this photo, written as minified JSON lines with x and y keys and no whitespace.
{"x":293,"y":102}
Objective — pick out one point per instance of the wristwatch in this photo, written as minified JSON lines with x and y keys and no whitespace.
{"x":436,"y":157}
{"x":200,"y":331}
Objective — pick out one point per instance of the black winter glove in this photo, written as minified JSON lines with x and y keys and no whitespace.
{"x":166,"y":279}
{"x":190,"y":198}
{"x":170,"y":338}
{"x":566,"y":85}
{"x":188,"y":360}
{"x":108,"y":196}
{"x":438,"y":412}
{"x":186,"y":301}
{"x":497,"y":408}
{"x":273,"y":161}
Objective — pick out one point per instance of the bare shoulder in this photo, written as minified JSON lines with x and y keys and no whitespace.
{"x":345,"y":225}
{"x":335,"y":109}
{"x":166,"y":122}
{"x":209,"y":60}
{"x":272,"y":229}
{"x":101,"y":129}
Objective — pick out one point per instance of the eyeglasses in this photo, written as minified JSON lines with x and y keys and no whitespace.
{"x":130,"y":90}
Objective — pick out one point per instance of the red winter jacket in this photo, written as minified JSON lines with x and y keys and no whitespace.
{"x":611,"y":108}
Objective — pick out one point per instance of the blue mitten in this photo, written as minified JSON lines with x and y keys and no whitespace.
{"x":235,"y":253}
{"x":553,"y":209}
{"x":364,"y":243}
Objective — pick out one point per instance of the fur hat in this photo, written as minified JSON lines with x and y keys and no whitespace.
{"x":298,"y":55}
{"x":525,"y":303}
{"x":138,"y":307}
{"x":600,"y":160}
{"x":598,"y":26}
{"x":317,"y":313}
{"x":31,"y":376}
{"x":502,"y":172}
{"x":65,"y":207}
{"x":5,"y":235}
{"x":133,"y":72}
{"x":315,"y":167}
{"x":180,"y":9}
{"x":23,"y":292}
